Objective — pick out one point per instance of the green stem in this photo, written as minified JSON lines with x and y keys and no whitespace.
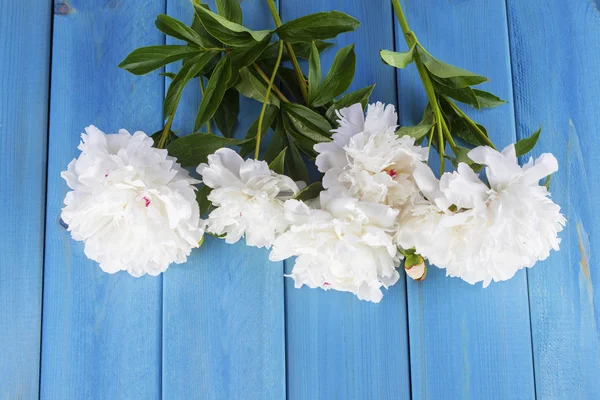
{"x":481,"y":134}
{"x":264,"y":106}
{"x":290,"y":51}
{"x":202,"y":89}
{"x":165,"y":132}
{"x":266,"y":79}
{"x":411,"y":40}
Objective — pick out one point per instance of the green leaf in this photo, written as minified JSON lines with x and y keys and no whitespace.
{"x":204,"y":203}
{"x":252,"y":87}
{"x":207,"y":39}
{"x":314,"y":72}
{"x":307,"y":122}
{"x":460,"y":156}
{"x":226,"y":115}
{"x":318,"y":26}
{"x":310,"y":192}
{"x":230,"y":9}
{"x":169,"y":75}
{"x":339,"y":77}
{"x":398,"y":59}
{"x":447,"y":74}
{"x":415,"y":132}
{"x":189,"y":69}
{"x":192,"y":150}
{"x":277,"y":165}
{"x":301,"y":50}
{"x":295,"y":164}
{"x":525,"y":145}
{"x":304,"y":144}
{"x":215,"y":90}
{"x":487,"y":99}
{"x":359,"y":96}
{"x":277,"y":143}
{"x":464,"y":95}
{"x":226,"y":31}
{"x":244,"y":56}
{"x":178,"y":30}
{"x":459,"y":127}
{"x":269,"y":117}
{"x":170,"y":138}
{"x":146,"y":59}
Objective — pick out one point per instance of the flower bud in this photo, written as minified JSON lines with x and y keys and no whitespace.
{"x":415,"y":267}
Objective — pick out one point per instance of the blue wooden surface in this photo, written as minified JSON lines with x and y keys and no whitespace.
{"x":226,"y":324}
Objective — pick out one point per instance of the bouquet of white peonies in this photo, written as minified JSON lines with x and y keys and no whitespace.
{"x":377,"y":204}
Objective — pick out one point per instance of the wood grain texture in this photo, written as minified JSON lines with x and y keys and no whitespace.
{"x":339,"y":347}
{"x":223,"y":335}
{"x":557,"y":84}
{"x":101,"y":334}
{"x":24,"y":84}
{"x":466,"y":341}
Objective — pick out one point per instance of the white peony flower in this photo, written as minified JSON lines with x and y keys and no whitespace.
{"x":367,"y":159}
{"x":346,"y":245}
{"x":249,"y":198}
{"x":132,"y":204}
{"x":481,"y":233}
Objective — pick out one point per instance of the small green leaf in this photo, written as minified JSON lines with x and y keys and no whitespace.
{"x":226,"y":115}
{"x":459,"y":127}
{"x":415,"y":132}
{"x":525,"y":145}
{"x":295,"y":164}
{"x":204,"y":203}
{"x":310,"y":192}
{"x":244,"y":56}
{"x":359,"y":96}
{"x":269,"y":117}
{"x":192,"y":150}
{"x":318,"y":26}
{"x":169,"y":75}
{"x":189,"y":69}
{"x":338,"y":78}
{"x":277,"y":165}
{"x":252,"y":87}
{"x":398,"y":59}
{"x":487,"y":99}
{"x":307,"y":122}
{"x":230,"y":9}
{"x":178,"y":30}
{"x":207,"y":39}
{"x":460,"y":156}
{"x":547,"y":182}
{"x":447,"y":74}
{"x":215,"y":90}
{"x":277,"y":143}
{"x":226,"y":31}
{"x":170,"y":138}
{"x":146,"y":59}
{"x":314,"y":72}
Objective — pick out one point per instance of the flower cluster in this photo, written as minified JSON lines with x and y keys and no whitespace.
{"x":381,"y":203}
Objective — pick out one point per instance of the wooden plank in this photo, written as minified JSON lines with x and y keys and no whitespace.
{"x":101,"y":334}
{"x":24,"y":83}
{"x":338,"y":346}
{"x":557,"y":84}
{"x":466,"y":341}
{"x":223,"y":334}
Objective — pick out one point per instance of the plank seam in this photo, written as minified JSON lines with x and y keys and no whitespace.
{"x":162,"y":280}
{"x":515,"y":115}
{"x":45,"y":208}
{"x":396,"y":83}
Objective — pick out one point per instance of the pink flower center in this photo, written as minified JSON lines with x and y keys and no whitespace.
{"x":106,"y":175}
{"x":326,"y":283}
{"x":146,"y":201}
{"x":391,"y":172}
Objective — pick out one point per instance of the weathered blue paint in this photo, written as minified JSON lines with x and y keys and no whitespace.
{"x":24,"y":84}
{"x":227,"y":324}
{"x":466,"y":341}
{"x":557,"y":84}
